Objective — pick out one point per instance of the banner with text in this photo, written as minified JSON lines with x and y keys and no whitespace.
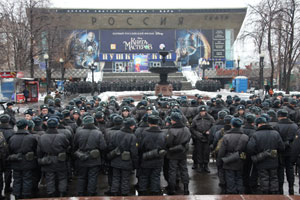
{"x":136,"y":41}
{"x":131,"y":56}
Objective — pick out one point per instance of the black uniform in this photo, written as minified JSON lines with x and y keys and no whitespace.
{"x":52,"y":145}
{"x":21,"y":143}
{"x":11,"y":113}
{"x":178,"y":134}
{"x":234,"y":141}
{"x":126,"y":141}
{"x":287,"y":130}
{"x":266,"y":138}
{"x":152,"y":138}
{"x":8,"y":132}
{"x":86,"y":140}
{"x":200,"y":127}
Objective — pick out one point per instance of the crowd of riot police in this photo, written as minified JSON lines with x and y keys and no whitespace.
{"x":254,"y":142}
{"x":208,"y":85}
{"x":115,"y":85}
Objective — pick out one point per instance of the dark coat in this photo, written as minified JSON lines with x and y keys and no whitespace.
{"x":287,"y":130}
{"x":200,"y":126}
{"x":86,"y":139}
{"x":176,"y":135}
{"x":11,"y":113}
{"x":51,"y":144}
{"x":217,"y":126}
{"x":126,"y":141}
{"x":249,"y":129}
{"x":152,"y":138}
{"x":38,"y":130}
{"x":139,"y":130}
{"x":22,"y":142}
{"x":7,"y":130}
{"x":70,"y":123}
{"x":233,"y":141}
{"x":265,"y":138}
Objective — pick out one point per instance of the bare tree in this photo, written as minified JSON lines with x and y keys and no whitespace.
{"x":19,"y":34}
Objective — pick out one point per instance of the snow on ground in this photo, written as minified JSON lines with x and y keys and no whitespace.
{"x":105,"y":95}
{"x":191,"y":76}
{"x":97,"y":76}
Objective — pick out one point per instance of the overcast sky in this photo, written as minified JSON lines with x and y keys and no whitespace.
{"x":245,"y":51}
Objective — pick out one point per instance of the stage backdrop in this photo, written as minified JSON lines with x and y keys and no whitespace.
{"x":136,"y":41}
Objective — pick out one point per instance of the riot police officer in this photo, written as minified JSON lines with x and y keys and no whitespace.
{"x":52,"y":153}
{"x":126,"y":159}
{"x":8,"y":132}
{"x":287,"y":130}
{"x":266,"y":138}
{"x":178,"y":138}
{"x":88,"y":144}
{"x":200,"y":133}
{"x":22,"y":148}
{"x":151,"y":149}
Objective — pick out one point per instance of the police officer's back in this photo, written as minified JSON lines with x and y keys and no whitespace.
{"x":287,"y":130}
{"x":5,"y":127}
{"x":266,"y":139}
{"x":178,"y":138}
{"x":127,"y":160}
{"x":22,"y":148}
{"x":52,"y":153}
{"x":88,"y":144}
{"x":152,"y":142}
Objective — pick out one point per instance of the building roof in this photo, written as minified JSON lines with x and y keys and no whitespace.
{"x":153,"y":4}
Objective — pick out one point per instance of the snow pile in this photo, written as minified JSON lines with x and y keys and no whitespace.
{"x":191,"y":76}
{"x":97,"y":76}
{"x":105,"y":95}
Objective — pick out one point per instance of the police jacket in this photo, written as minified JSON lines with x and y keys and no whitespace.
{"x":218,"y":126}
{"x":125,"y":140}
{"x":265,"y":138}
{"x":219,"y":134}
{"x":233,"y":141}
{"x":152,"y":138}
{"x":191,"y":112}
{"x":38,"y":130}
{"x":7,"y":130}
{"x":295,"y":148}
{"x":86,"y":139}
{"x":292,"y":112}
{"x":110,"y":135}
{"x":184,"y":110}
{"x":70,"y":123}
{"x":102,"y":126}
{"x":51,"y":144}
{"x":11,"y":113}
{"x":63,"y":130}
{"x":138,"y":132}
{"x":249,"y":129}
{"x":178,"y":134}
{"x":200,"y":126}
{"x":21,"y":143}
{"x":287,"y":130}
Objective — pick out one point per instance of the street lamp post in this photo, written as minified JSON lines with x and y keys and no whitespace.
{"x":92,"y":68}
{"x":61,"y":61}
{"x":238,"y":68}
{"x":46,"y":58}
{"x":261,"y":70}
